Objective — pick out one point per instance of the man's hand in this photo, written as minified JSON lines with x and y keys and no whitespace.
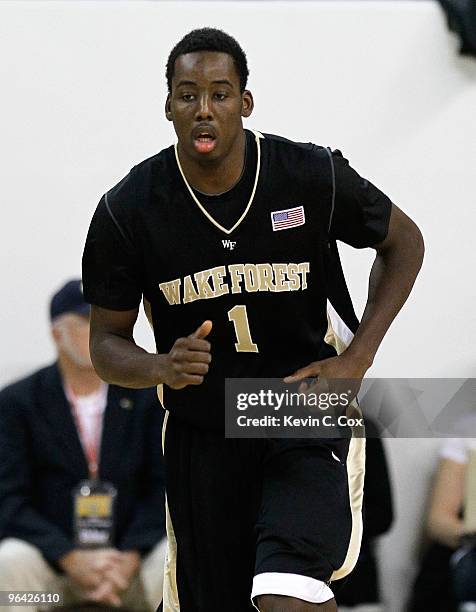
{"x":106,"y":593}
{"x":102,"y":574}
{"x":87,"y":569}
{"x":116,"y":580}
{"x":188,"y":361}
{"x":130,"y":564}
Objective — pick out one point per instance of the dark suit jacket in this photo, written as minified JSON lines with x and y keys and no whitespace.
{"x":41,"y":461}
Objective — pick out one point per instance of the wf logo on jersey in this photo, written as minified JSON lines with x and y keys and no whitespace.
{"x":290,"y":217}
{"x":228,"y":244}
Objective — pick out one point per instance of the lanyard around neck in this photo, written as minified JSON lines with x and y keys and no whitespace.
{"x":91,"y":444}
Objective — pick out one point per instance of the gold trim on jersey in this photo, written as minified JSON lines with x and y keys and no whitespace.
{"x":170,"y":593}
{"x":339,"y":336}
{"x":258,"y":136}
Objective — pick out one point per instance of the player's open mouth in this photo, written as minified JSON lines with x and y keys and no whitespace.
{"x":204,"y":141}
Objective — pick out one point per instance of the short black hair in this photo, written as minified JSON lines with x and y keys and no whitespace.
{"x":209,"y":39}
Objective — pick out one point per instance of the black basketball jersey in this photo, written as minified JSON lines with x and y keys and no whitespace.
{"x":264,"y":280}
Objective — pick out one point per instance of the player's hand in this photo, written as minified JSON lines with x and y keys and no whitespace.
{"x":329,"y":375}
{"x":188,"y":361}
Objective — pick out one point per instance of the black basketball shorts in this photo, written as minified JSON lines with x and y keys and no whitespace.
{"x":253,"y":517}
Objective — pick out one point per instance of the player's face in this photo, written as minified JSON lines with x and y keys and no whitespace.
{"x":206,"y":105}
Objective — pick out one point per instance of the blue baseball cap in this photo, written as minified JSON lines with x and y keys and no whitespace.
{"x":69,"y":298}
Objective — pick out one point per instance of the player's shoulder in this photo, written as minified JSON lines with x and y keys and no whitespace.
{"x":149,"y":167}
{"x":303,"y":147}
{"x":300,"y":161}
{"x":294,"y":153}
{"x":130,"y":190}
{"x":292,"y":145}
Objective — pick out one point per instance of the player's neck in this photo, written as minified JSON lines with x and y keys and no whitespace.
{"x":217,"y":176}
{"x":81,"y":380}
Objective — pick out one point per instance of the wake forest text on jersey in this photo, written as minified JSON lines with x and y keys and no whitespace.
{"x":218,"y":281}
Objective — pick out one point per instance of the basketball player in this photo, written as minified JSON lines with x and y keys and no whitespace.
{"x":230,"y":239}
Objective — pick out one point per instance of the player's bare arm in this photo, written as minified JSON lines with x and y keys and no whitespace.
{"x":396,"y":266}
{"x":119,"y":360}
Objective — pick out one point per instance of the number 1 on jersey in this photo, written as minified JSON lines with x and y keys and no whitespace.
{"x":239,"y":317}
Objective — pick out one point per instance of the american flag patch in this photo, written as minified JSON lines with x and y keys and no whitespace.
{"x":284,"y":219}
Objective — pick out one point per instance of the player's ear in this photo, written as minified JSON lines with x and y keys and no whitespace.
{"x":247,"y":103}
{"x":168,"y":111}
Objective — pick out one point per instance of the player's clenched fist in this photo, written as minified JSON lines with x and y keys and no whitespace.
{"x":188,"y":361}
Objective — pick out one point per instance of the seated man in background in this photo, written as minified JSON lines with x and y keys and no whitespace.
{"x":81,"y":477}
